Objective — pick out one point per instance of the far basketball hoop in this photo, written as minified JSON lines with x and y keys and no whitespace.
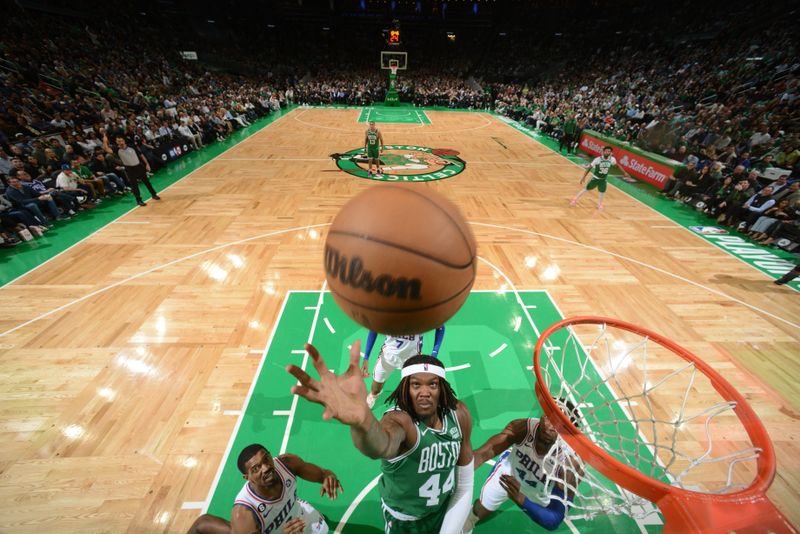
{"x":393,"y":61}
{"x":390,"y":58}
{"x":648,"y":409}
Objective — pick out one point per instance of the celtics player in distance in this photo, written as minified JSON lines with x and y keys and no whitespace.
{"x":538,"y":479}
{"x":396,"y":350}
{"x":599,"y":168}
{"x":423,"y":442}
{"x":373,"y":143}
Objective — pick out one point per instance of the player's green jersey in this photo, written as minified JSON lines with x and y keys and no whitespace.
{"x":372,"y":138}
{"x":421,"y":481}
{"x":601,"y":166}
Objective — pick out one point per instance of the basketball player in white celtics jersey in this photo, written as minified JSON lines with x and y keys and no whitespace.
{"x":268,"y":503}
{"x":520,"y":472}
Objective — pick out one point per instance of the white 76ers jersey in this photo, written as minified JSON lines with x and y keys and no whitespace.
{"x":531,"y":468}
{"x":271,"y":516}
{"x":396,"y":350}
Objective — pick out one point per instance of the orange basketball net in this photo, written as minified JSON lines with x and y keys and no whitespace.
{"x":647,"y":410}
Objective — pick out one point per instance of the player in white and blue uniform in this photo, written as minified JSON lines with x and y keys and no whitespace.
{"x":268,"y":503}
{"x":394,"y":353}
{"x":521,"y":472}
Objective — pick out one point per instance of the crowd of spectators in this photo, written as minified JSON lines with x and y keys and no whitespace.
{"x":66,"y":112}
{"x":69,"y":94}
{"x":734,"y":126}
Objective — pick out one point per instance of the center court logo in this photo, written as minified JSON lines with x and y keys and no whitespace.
{"x":404,"y":163}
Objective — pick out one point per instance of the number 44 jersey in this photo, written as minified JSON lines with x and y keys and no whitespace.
{"x":532,"y":468}
{"x":421,"y":481}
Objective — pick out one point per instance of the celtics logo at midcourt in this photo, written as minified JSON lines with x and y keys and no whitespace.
{"x":404,"y":163}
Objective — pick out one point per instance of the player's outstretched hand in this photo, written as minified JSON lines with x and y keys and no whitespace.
{"x":331,"y":487}
{"x":512,"y":487}
{"x":365,"y":368}
{"x":294,"y":526}
{"x":343,"y":396}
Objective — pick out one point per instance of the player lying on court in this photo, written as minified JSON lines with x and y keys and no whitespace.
{"x":268,"y":503}
{"x":373,"y":144}
{"x":599,"y":168}
{"x":423,"y":442}
{"x":396,"y":350}
{"x":520,"y":471}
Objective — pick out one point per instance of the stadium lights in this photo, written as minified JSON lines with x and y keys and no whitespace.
{"x":211,"y":21}
{"x":270,"y":25}
{"x":325,"y":28}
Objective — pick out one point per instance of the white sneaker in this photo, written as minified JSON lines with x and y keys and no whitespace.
{"x":371,"y":400}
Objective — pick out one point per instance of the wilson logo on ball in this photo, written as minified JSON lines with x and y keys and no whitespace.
{"x":350,"y":271}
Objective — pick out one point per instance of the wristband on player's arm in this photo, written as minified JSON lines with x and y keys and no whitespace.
{"x":460,"y":503}
{"x":371,"y":337}
{"x":550,"y":516}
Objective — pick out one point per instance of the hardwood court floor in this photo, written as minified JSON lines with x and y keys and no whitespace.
{"x":125,"y":359}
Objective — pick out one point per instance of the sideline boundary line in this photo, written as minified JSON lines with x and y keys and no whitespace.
{"x":246,"y":402}
{"x":251,"y":136}
{"x":712,"y":243}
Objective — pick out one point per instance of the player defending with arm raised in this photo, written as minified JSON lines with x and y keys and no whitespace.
{"x":599,"y":168}
{"x":373,"y":144}
{"x":423,"y":443}
{"x":268,"y":503}
{"x":520,"y":473}
{"x":394,"y":353}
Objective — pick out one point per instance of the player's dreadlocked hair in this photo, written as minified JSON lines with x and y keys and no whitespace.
{"x":401,"y":396}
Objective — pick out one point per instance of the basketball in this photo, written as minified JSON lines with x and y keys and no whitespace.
{"x":400,"y":259}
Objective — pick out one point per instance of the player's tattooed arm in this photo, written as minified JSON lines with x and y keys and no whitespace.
{"x":313,"y":473}
{"x":344,"y":398}
{"x":513,"y":433}
{"x":585,"y":174}
{"x":390,"y":437}
{"x":466,"y":455}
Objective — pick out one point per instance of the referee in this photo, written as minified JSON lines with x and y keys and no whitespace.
{"x":136,"y":167}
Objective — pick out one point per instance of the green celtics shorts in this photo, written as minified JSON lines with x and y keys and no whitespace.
{"x":599,"y":183}
{"x":430,"y":523}
{"x":373,"y":153}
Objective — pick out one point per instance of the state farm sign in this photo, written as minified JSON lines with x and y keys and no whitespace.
{"x":637,"y":165}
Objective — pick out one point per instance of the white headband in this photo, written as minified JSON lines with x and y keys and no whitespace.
{"x":422,"y":368}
